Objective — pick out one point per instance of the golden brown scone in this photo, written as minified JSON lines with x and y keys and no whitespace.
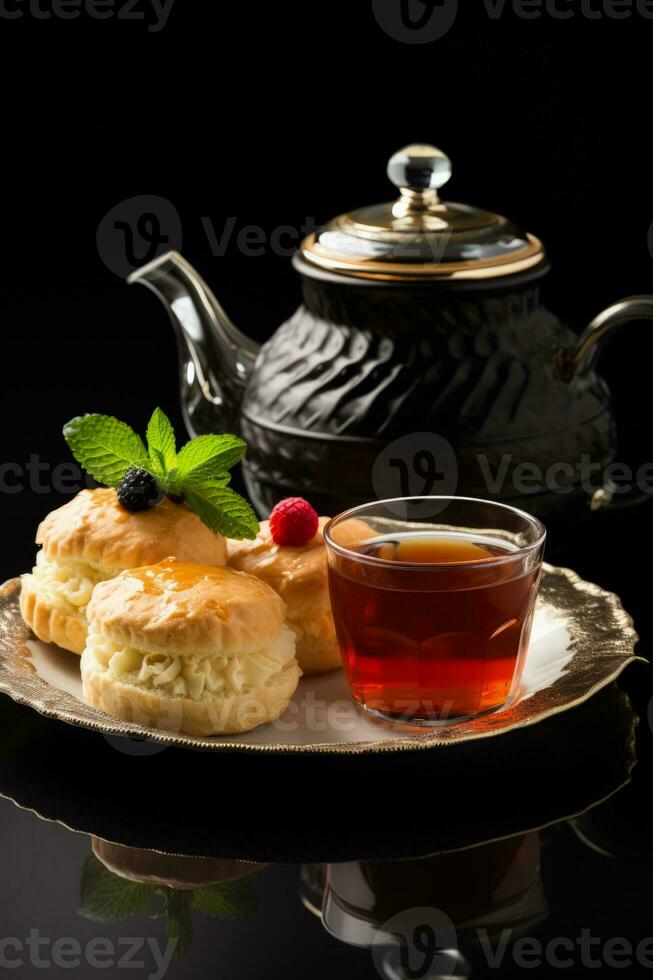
{"x":51,"y":623}
{"x":299,"y":576}
{"x":171,"y":870}
{"x":189,"y":648}
{"x":91,"y":539}
{"x":191,"y":609}
{"x":94,"y":528}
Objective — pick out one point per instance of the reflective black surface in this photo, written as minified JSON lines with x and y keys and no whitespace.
{"x":279,"y":867}
{"x":549,"y":120}
{"x":312,"y":865}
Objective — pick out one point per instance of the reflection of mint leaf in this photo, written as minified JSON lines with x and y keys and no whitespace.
{"x":179,"y":924}
{"x":161,"y":443}
{"x":222,"y":510}
{"x":108,"y":898}
{"x":208,"y":457}
{"x":105,"y":447}
{"x":228,"y":900}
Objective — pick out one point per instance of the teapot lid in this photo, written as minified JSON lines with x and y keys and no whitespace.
{"x":418,"y":236}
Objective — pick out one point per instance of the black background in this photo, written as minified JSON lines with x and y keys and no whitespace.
{"x":275,"y":113}
{"x":272,"y":114}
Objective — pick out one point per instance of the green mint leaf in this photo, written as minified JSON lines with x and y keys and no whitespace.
{"x":228,"y":900}
{"x":197,"y":478}
{"x":175,"y":485}
{"x":222,"y":509}
{"x":206,"y":457}
{"x":161,"y":443}
{"x":108,"y":898}
{"x":105,"y":447}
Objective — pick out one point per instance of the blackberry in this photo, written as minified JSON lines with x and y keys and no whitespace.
{"x":138,"y":490}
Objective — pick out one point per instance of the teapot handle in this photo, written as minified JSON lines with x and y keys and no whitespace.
{"x":582,"y":359}
{"x":576,"y":363}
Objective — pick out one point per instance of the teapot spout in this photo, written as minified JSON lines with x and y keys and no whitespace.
{"x":215,"y":358}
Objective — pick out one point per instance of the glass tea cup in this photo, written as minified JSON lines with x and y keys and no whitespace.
{"x":433,"y":601}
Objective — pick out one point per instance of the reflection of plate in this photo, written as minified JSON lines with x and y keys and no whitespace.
{"x":582,"y":639}
{"x":533,"y":777}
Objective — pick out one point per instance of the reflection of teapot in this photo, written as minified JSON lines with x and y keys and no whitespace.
{"x":457,"y":896}
{"x":417,"y":316}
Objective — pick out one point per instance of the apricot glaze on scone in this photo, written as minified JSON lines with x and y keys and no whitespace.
{"x":189,"y":648}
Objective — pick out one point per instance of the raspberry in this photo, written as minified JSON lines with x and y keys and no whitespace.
{"x":138,"y":490}
{"x":293,"y":522}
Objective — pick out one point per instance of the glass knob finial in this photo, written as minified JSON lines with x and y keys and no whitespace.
{"x":419,"y":167}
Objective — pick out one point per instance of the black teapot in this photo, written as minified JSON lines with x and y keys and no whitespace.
{"x":420,"y":361}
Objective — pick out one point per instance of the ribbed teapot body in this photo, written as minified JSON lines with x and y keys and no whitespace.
{"x":360,"y":367}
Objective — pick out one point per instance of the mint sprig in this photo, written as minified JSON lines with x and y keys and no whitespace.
{"x":105,"y":447}
{"x":221,"y":509}
{"x":161,"y":443}
{"x":199,"y":472}
{"x":209,"y":457}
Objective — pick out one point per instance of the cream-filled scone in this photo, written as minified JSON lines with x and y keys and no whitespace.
{"x":189,"y":648}
{"x":299,"y":576}
{"x":93,"y":538}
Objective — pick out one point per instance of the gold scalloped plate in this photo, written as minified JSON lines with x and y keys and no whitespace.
{"x":582,"y":640}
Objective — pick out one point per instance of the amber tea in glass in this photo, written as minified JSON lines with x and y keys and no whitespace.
{"x":433,"y":601}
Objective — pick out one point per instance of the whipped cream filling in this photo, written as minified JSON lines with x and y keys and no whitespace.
{"x":188,"y":676}
{"x":320,"y":626}
{"x":65,"y":583}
